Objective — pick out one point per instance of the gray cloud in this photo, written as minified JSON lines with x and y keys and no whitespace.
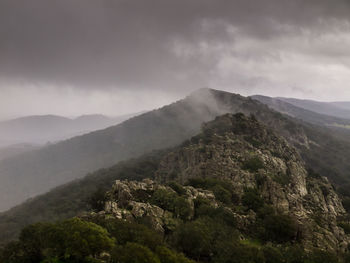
{"x":265,"y":46}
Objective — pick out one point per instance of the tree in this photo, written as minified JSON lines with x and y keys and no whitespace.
{"x":133,"y":253}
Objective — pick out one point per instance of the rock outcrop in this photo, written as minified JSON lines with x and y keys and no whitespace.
{"x":132,"y":200}
{"x":238,"y":149}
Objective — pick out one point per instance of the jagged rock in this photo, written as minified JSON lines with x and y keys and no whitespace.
{"x":226,"y":149}
{"x":124,"y":203}
{"x":241,"y":150}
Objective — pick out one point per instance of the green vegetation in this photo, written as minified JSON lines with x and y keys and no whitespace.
{"x":73,"y":240}
{"x":172,"y":202}
{"x":253,"y":164}
{"x":222,"y":189}
{"x":252,"y":199}
{"x":211,"y":235}
{"x":76,"y":197}
{"x":79,"y":241}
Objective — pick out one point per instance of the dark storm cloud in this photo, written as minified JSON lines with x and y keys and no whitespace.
{"x":146,"y":43}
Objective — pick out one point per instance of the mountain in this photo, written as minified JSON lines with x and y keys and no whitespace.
{"x":336,"y":109}
{"x":341,"y":104}
{"x":236,"y":190}
{"x":36,"y":172}
{"x":50,"y":128}
{"x":285,"y":107}
{"x":13,"y":150}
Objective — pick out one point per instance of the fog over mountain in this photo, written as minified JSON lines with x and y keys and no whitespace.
{"x":85,"y":56}
{"x":178,"y":131}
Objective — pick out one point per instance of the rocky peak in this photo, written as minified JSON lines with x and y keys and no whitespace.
{"x":244,"y":151}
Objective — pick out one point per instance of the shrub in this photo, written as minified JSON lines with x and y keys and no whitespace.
{"x":279,"y":228}
{"x":222,"y":194}
{"x":72,"y":240}
{"x":182,"y":208}
{"x":168,"y":256}
{"x":252,"y":199}
{"x":125,"y":232}
{"x":320,"y":256}
{"x":164,"y":199}
{"x":97,"y":200}
{"x":238,"y":253}
{"x":177,"y":188}
{"x":253,"y":164}
{"x":272,"y":255}
{"x":133,"y":253}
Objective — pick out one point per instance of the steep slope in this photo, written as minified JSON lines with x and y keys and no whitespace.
{"x":327,"y":108}
{"x":36,"y":172}
{"x":243,"y":182}
{"x":248,"y":155}
{"x":241,"y":150}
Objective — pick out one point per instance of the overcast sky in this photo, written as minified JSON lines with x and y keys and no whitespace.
{"x":72,"y":57}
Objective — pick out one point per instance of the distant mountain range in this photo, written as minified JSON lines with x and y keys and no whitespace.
{"x":16,"y":149}
{"x":51,"y":128}
{"x":323,"y":147}
{"x":288,"y":106}
{"x":336,"y":109}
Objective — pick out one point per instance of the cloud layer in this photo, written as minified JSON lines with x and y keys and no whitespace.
{"x":121,"y":48}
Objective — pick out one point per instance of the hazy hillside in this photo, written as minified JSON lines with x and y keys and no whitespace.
{"x":13,"y":150}
{"x":341,"y":104}
{"x":37,"y":172}
{"x":337,"y":109}
{"x":235,"y":192}
{"x":51,"y":128}
{"x":301,"y":113}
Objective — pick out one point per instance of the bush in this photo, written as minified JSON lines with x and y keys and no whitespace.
{"x":279,"y":228}
{"x":320,"y":256}
{"x":168,"y":256}
{"x":253,"y":164}
{"x":272,"y":255}
{"x":164,"y":199}
{"x":133,"y":253}
{"x":252,"y":199}
{"x":238,"y":253}
{"x":194,"y":239}
{"x":73,"y":240}
{"x":182,"y":208}
{"x":125,"y":232}
{"x":177,"y":188}
{"x":97,"y":200}
{"x":222,"y":194}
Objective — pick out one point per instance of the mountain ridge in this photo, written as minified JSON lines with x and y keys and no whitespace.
{"x":42,"y":170}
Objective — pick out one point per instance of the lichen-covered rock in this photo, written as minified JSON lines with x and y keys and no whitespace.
{"x":129,"y":200}
{"x":242,"y":150}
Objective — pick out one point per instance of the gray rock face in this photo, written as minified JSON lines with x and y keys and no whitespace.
{"x":242,"y":150}
{"x":128,"y":201}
